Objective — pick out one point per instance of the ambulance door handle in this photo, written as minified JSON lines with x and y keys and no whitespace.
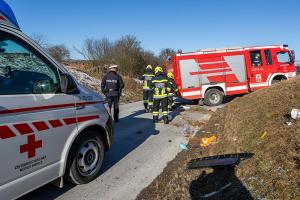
{"x":80,"y":107}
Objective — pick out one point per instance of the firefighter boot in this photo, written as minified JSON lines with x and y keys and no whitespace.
{"x":166,"y":119}
{"x":116,"y":115}
{"x":155,"y":119}
{"x":150,"y":108}
{"x":146,"y":107}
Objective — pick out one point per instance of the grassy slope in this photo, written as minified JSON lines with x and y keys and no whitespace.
{"x":272,"y":173}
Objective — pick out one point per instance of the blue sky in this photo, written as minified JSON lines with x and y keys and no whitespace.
{"x":181,"y":24}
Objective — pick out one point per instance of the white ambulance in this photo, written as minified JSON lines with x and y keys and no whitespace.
{"x":51,"y":127}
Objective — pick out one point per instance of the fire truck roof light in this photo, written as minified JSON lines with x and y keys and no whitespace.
{"x":8,"y":13}
{"x":285,"y":45}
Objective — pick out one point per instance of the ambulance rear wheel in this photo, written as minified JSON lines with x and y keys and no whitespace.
{"x":85,"y":158}
{"x":213,"y":97}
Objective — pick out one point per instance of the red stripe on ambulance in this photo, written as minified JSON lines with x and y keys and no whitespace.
{"x":6,"y":132}
{"x":23,"y":128}
{"x":40,"y":126}
{"x":55,"y":123}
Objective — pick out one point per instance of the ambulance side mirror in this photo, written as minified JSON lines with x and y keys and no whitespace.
{"x":68,"y":85}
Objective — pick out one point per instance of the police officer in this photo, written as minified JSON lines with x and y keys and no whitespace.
{"x":173,"y":91}
{"x":160,"y":87}
{"x":147,"y":92}
{"x":111,"y":86}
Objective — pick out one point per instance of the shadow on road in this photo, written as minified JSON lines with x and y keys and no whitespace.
{"x":130,"y":133}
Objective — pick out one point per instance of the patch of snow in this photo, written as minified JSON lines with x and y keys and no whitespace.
{"x":85,"y":79}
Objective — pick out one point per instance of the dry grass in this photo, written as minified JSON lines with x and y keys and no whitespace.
{"x":273,"y":172}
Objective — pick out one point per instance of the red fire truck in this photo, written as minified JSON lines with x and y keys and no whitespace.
{"x":213,"y":74}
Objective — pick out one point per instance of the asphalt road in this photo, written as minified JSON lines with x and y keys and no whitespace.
{"x":140,"y":152}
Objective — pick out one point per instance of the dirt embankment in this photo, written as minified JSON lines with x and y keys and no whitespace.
{"x":255,"y":123}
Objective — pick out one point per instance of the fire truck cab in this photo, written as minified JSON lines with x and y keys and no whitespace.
{"x":213,"y":74}
{"x":51,"y":127}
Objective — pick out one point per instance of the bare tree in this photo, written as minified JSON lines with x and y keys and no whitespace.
{"x":166,"y":53}
{"x":40,"y":39}
{"x":59,"y":52}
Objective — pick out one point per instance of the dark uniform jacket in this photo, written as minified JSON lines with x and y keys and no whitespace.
{"x":160,"y":86}
{"x":112,"y":84}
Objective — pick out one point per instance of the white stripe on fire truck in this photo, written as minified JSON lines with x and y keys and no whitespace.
{"x":241,"y":87}
{"x":263,"y":84}
{"x":192,"y":93}
{"x":208,"y":63}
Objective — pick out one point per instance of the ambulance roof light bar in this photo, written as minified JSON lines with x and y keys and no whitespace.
{"x":7,"y":16}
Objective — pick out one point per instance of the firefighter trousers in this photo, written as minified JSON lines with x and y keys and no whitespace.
{"x":171,"y":101}
{"x":163,"y":102}
{"x":114,"y":100}
{"x":148,"y":99}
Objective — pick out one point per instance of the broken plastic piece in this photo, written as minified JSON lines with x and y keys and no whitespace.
{"x":186,"y":107}
{"x":219,"y":160}
{"x":295,"y":113}
{"x":207,"y":141}
{"x":263,"y":135}
{"x":183,"y":146}
{"x":289,"y":123}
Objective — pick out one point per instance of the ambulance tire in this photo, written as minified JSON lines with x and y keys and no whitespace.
{"x":91,"y":145}
{"x":213,"y":97}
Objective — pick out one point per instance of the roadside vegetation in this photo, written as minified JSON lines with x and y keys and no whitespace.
{"x":260,"y":124}
{"x":98,"y":54}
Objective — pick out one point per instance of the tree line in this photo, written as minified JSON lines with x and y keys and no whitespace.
{"x":127,"y":52}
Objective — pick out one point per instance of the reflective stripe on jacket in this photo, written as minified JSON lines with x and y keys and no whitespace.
{"x":160,"y":86}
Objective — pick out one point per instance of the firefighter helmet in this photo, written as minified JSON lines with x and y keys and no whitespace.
{"x":170,"y":75}
{"x":149,"y":67}
{"x":158,"y":69}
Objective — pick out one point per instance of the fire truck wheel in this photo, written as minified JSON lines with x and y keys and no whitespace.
{"x":275,"y":81}
{"x":213,"y":97}
{"x":85,"y":158}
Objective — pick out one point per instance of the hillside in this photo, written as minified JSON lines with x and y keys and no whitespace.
{"x":255,"y":123}
{"x":131,"y":93}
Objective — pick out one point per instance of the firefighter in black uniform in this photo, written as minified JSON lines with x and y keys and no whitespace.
{"x":111,"y":86}
{"x":160,"y":87}
{"x":147,"y":92}
{"x":173,"y":92}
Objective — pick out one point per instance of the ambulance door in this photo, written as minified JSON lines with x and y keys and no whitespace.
{"x":258,"y":70}
{"x":36,"y":118}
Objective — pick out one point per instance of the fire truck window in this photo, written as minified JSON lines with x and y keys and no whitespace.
{"x":283,"y":57}
{"x":268,"y":57}
{"x":22,"y":71}
{"x":255,"y":58}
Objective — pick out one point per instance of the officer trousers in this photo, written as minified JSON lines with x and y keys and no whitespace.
{"x":148,"y":98}
{"x":114,"y":100}
{"x":164,"y":106}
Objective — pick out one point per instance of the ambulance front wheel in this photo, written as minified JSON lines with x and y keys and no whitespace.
{"x":213,"y":97}
{"x":85,"y":158}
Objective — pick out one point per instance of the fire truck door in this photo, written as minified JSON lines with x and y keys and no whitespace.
{"x":258,"y":70}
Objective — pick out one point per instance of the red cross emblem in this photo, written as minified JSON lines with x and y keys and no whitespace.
{"x":31,"y":146}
